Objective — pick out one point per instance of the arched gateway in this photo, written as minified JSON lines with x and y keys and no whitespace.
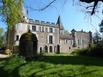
{"x":28,"y":44}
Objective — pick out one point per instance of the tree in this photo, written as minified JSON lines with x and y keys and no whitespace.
{"x":1,"y":37}
{"x":66,"y":32}
{"x":11,"y":11}
{"x":94,"y":6}
{"x":97,"y":38}
{"x":86,"y":1}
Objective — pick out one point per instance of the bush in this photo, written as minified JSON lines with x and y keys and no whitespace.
{"x":93,"y":50}
{"x":9,"y":67}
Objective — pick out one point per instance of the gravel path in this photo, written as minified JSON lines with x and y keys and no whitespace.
{"x":4,"y":56}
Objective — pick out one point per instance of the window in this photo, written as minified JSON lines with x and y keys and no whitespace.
{"x":46,"y":49}
{"x":42,"y":29}
{"x":51,"y":30}
{"x":50,"y":49}
{"x":66,"y":41}
{"x":79,"y":42}
{"x":34,"y":28}
{"x":69,"y":47}
{"x":17,"y":37}
{"x":46,"y":29}
{"x":58,"y":48}
{"x":41,"y":50}
{"x":50,"y":39}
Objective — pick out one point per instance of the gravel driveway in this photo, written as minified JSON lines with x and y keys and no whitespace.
{"x":4,"y":56}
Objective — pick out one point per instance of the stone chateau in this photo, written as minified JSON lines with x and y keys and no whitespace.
{"x":51,"y":37}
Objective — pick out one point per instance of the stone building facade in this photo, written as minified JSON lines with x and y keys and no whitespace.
{"x":47,"y":34}
{"x":51,"y":37}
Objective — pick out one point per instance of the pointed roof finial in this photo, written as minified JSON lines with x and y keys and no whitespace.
{"x":59,"y":23}
{"x":58,"y":20}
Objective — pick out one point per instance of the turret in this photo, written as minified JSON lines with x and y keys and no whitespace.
{"x":24,"y":14}
{"x":60,"y":25}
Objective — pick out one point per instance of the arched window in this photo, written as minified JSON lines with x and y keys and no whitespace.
{"x":46,"y":48}
{"x":58,"y":49}
{"x":41,"y":50}
{"x":50,"y":49}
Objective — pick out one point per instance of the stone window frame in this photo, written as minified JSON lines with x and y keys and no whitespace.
{"x":34,"y":28}
{"x":53,"y":38}
{"x":51,"y":49}
{"x":46,"y":29}
{"x":51,"y":30}
{"x":40,"y":29}
{"x":50,"y":39}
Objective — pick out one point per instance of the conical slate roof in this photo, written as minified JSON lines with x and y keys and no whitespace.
{"x":59,"y":23}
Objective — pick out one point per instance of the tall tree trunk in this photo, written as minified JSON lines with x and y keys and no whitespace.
{"x":10,"y":37}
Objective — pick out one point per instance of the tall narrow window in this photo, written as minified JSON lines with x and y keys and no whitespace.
{"x":46,"y":49}
{"x":51,"y":30}
{"x":50,"y":39}
{"x":50,"y":49}
{"x":42,"y":29}
{"x":17,"y":37}
{"x":34,"y":28}
{"x":66,"y":41}
{"x":41,"y":50}
{"x":46,"y":29}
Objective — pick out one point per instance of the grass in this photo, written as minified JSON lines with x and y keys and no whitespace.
{"x":52,"y":66}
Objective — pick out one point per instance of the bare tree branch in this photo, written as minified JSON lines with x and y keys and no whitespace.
{"x":47,"y":5}
{"x":94,"y":6}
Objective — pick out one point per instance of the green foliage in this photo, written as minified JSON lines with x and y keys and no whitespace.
{"x":1,"y":37}
{"x":52,"y":66}
{"x":94,"y":50}
{"x":79,"y":51}
{"x":8,"y":67}
{"x":11,"y":13}
{"x":11,"y":10}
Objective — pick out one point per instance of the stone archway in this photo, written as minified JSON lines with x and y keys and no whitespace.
{"x":28,"y":44}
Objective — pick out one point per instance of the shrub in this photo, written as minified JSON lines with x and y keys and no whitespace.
{"x":9,"y":67}
{"x":93,"y":50}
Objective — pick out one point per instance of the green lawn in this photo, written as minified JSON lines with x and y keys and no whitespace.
{"x":52,"y":66}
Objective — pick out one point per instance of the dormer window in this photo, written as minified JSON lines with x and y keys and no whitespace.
{"x":33,"y":28}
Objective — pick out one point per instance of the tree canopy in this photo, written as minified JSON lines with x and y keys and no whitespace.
{"x":11,"y":11}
